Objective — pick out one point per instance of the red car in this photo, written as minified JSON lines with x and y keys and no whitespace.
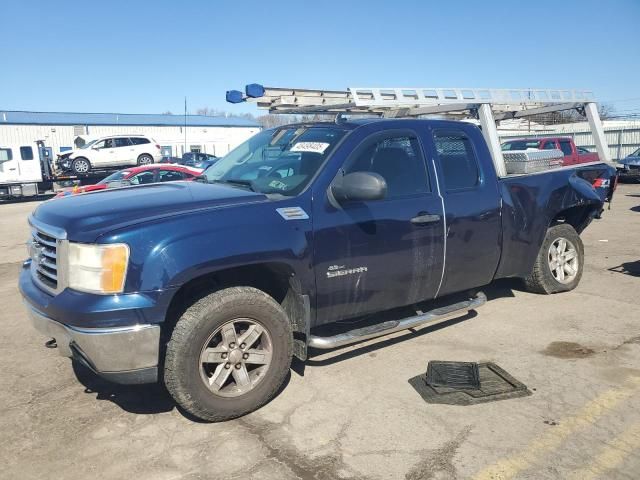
{"x":572,"y":155}
{"x":139,"y":176}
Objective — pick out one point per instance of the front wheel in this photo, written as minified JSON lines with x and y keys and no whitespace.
{"x":229,"y":354}
{"x":80,"y":166}
{"x":560,"y":262}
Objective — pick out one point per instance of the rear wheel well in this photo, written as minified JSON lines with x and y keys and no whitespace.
{"x":578,"y":217}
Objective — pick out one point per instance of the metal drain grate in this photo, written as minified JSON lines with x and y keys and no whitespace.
{"x":494,"y":384}
{"x":459,"y":375}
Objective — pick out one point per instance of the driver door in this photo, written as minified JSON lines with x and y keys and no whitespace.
{"x":376,"y":255}
{"x":9,"y":167}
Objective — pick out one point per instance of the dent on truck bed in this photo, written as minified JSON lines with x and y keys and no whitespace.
{"x":530,"y":206}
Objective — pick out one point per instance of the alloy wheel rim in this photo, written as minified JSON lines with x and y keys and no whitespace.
{"x":82,"y":166}
{"x":563,"y":260}
{"x":235,"y":357}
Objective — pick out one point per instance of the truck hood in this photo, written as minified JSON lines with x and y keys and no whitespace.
{"x":87,"y":216}
{"x":630,"y":160}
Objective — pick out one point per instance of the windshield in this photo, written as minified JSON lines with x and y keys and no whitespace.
{"x":280,"y":161}
{"x":114,"y":177}
{"x":88,"y":144}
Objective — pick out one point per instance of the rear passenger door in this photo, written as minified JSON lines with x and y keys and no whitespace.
{"x":472,"y":207}
{"x":125,"y":151}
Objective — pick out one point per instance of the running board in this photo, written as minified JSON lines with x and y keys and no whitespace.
{"x":434,"y":316}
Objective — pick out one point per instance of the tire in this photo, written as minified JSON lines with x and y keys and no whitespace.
{"x":553,"y":272}
{"x":187,"y":373}
{"x":145,"y":159}
{"x":80,"y":166}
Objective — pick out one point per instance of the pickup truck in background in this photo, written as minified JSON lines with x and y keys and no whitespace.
{"x":212,"y":286}
{"x":572,"y":155}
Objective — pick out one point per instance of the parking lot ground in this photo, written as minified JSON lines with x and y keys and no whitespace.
{"x":353,"y":415}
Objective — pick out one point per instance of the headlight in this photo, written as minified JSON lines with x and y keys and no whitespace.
{"x":98,"y":268}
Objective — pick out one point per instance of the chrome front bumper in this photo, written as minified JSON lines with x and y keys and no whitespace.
{"x":121,"y":354}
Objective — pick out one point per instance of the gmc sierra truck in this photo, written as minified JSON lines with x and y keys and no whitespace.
{"x":212,"y":286}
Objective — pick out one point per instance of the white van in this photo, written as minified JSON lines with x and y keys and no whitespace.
{"x":20,"y":170}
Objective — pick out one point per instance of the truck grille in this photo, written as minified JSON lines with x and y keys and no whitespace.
{"x":45,"y":253}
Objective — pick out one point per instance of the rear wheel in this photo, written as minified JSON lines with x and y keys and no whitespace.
{"x":559,"y":265}
{"x":145,"y":159}
{"x":80,"y":165}
{"x":229,"y":354}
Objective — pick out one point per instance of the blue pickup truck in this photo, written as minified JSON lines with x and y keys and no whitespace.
{"x":212,"y":286}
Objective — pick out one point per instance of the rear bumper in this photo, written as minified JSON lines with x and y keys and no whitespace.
{"x":120,"y":354}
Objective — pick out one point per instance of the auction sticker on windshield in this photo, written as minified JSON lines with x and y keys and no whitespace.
{"x":315,"y":147}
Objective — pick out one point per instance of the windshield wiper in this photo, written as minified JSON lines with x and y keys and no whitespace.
{"x":238,"y":181}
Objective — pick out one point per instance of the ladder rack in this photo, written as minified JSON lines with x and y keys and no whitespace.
{"x":488,"y":105}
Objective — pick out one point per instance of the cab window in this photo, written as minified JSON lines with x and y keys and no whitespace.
{"x":457,"y":159}
{"x":5,"y":154}
{"x":395,"y":157}
{"x":26,"y":153}
{"x":565,"y":146}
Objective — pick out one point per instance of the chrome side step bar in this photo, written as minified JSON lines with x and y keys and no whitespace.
{"x":365,"y":333}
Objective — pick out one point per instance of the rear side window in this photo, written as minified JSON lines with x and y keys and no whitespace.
{"x":139,"y":140}
{"x":170,"y":176}
{"x":565,"y":146}
{"x":122,"y":142}
{"x":397,"y":159}
{"x":5,"y":154}
{"x":143,"y":178}
{"x":550,"y":146}
{"x":457,"y":159}
{"x":26,"y":153}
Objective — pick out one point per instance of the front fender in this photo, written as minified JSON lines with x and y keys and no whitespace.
{"x":169,"y":252}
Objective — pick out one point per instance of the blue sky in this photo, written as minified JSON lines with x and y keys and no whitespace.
{"x":144,"y":56}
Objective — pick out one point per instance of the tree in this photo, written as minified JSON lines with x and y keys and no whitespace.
{"x":605,"y":110}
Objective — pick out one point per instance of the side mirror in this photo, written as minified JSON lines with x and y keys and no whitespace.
{"x":359,"y":187}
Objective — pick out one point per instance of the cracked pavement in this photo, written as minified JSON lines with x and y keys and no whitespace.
{"x":353,"y":415}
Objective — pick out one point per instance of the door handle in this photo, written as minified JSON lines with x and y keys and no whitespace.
{"x":423,"y":218}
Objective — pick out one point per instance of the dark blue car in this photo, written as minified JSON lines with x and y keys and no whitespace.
{"x":629,"y":167}
{"x":212,"y":286}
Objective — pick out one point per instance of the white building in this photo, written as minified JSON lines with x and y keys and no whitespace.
{"x":176,"y":134}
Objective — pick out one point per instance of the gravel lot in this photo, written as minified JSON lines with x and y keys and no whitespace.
{"x":353,"y":414}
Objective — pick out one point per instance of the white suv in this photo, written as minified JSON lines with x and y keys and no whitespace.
{"x":112,"y":151}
